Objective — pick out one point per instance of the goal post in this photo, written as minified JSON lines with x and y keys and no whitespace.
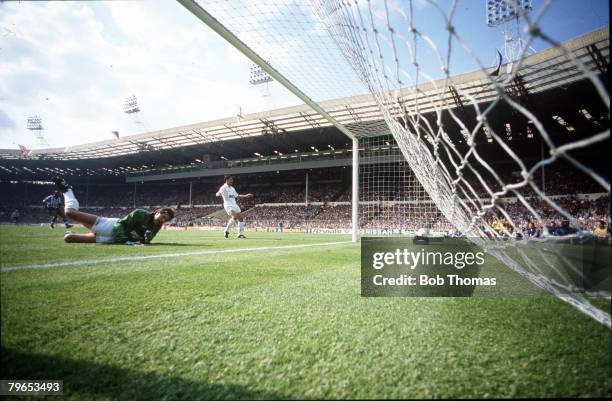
{"x":465,"y":131}
{"x":355,"y":191}
{"x":235,"y":41}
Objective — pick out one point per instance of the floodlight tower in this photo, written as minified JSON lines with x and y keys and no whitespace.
{"x":259,"y":77}
{"x":130,"y":107}
{"x":34,"y":124}
{"x":507,"y":14}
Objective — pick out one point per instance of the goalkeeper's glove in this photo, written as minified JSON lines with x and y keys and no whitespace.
{"x":148,"y":236}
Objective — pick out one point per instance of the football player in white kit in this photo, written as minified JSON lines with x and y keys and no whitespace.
{"x":229,"y":195}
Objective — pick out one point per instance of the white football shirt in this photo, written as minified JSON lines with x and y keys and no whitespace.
{"x":228,"y":194}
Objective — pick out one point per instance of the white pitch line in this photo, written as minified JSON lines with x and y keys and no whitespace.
{"x":161,"y":255}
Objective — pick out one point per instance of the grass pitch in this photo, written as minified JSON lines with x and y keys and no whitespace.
{"x":282,"y":320}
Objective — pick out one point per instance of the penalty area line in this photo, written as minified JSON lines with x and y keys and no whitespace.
{"x":159,"y":256}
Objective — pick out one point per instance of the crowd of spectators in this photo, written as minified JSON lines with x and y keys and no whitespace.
{"x":130,"y":195}
{"x":288,"y":216}
{"x":584,"y":215}
{"x":193,"y":216}
{"x":552,"y":180}
{"x":559,"y":180}
{"x":40,"y":215}
{"x":116,"y":200}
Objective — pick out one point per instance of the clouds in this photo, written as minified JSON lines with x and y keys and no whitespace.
{"x":5,"y":121}
{"x":73,"y":63}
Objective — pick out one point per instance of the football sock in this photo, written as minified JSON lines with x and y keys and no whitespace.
{"x":241,"y":228}
{"x":230,"y":223}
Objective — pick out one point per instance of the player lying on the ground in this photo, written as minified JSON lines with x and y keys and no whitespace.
{"x":229,"y":195}
{"x":138,"y":226}
{"x":54,"y":204}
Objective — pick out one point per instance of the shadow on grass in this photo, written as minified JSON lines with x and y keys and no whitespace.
{"x":92,"y":378}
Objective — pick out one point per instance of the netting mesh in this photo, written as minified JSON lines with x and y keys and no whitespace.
{"x":391,"y":198}
{"x":457,"y":132}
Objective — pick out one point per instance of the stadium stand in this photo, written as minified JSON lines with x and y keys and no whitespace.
{"x":273,"y":154}
{"x":328,"y":206}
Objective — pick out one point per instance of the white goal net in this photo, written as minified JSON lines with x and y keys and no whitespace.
{"x":391,"y":198}
{"x":491,"y":153}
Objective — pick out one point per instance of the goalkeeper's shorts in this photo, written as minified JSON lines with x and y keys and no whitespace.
{"x":229,"y":208}
{"x":104,"y":230}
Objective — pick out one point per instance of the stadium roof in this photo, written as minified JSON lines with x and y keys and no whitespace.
{"x":542,"y":71}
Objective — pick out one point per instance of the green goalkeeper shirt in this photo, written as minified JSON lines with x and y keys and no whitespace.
{"x":133,"y":226}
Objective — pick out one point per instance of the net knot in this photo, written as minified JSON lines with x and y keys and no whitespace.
{"x":534,"y":30}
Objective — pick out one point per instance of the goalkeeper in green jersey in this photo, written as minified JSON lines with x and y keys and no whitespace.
{"x":138,"y":226}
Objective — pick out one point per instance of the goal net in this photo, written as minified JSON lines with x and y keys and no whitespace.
{"x":485,"y":148}
{"x":391,"y":198}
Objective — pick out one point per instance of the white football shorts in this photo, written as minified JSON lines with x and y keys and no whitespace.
{"x":104,"y":230}
{"x":228,"y":209}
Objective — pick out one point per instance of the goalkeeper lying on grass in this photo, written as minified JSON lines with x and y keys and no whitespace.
{"x":138,"y":226}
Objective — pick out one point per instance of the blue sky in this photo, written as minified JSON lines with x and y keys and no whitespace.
{"x":74,"y":63}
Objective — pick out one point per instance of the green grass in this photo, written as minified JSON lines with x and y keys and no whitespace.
{"x":282,"y":323}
